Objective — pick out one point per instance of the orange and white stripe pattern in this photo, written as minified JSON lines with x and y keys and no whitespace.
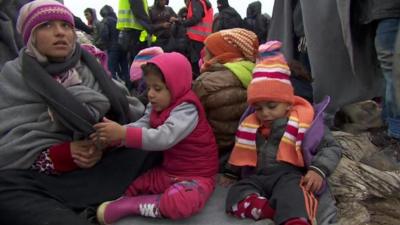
{"x":311,"y":204}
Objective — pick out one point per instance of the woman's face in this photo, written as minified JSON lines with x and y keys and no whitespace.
{"x":54,"y":39}
{"x":88,"y":16}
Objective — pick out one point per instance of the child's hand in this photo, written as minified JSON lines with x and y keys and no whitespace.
{"x":108,"y":131}
{"x":225,"y":181}
{"x":312,"y":181}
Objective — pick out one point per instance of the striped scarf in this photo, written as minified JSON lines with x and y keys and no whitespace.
{"x":244,"y":152}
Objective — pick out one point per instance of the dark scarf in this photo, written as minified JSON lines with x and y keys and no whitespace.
{"x":68,"y":110}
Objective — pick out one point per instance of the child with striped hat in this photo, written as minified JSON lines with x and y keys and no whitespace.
{"x":287,"y":175}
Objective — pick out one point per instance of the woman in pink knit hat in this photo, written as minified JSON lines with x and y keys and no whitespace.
{"x":53,"y":93}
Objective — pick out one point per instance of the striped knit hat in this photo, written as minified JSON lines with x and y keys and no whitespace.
{"x":237,"y":42}
{"x":270,"y":76}
{"x":141,"y":58}
{"x":38,"y":12}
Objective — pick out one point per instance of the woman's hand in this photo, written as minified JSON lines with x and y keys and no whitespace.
{"x":108,"y":131}
{"x":312,"y":181}
{"x":85,"y":153}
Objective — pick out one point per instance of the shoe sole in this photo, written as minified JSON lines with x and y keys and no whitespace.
{"x":100,"y":213}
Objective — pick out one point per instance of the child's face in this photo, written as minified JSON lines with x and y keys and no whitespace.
{"x":269,"y":111}
{"x":157,"y":92}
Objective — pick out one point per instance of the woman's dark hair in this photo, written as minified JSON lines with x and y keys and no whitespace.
{"x":153,"y":69}
{"x":88,"y":10}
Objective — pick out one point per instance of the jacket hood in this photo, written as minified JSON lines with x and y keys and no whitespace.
{"x":222,"y":4}
{"x":254,"y":9}
{"x":177,"y":73}
{"x":107,"y":11}
{"x":93,"y":12}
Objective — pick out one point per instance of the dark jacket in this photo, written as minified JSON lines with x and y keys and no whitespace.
{"x":10,"y":39}
{"x":140,"y":14}
{"x":160,"y":15}
{"x":370,"y":10}
{"x":228,"y":17}
{"x":109,"y":32}
{"x":257,"y":22}
{"x":80,"y":25}
{"x":179,"y":33}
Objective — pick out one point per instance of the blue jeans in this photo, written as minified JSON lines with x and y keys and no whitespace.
{"x":385,"y":39}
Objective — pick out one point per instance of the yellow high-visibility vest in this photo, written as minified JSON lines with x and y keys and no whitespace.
{"x":125,"y":17}
{"x":144,"y":37}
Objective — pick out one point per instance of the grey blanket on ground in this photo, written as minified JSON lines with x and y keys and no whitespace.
{"x":214,"y":214}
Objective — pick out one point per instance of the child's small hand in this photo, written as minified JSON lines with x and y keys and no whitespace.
{"x":225,"y":181}
{"x":312,"y":181}
{"x":108,"y":131}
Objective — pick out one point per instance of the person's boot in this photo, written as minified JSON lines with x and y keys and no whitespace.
{"x":254,"y":207}
{"x":112,"y":211}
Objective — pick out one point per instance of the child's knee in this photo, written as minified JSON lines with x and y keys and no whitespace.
{"x":182,"y":200}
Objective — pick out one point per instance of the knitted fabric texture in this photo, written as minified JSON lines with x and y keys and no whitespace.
{"x":141,"y":58}
{"x":270,"y":76}
{"x":244,"y":152}
{"x":229,"y":44}
{"x":37,"y":12}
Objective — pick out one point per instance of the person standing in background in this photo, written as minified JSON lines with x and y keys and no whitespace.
{"x":117,"y":60}
{"x":198,"y":26}
{"x":228,"y":17}
{"x":256,"y":21}
{"x":95,"y":25}
{"x":160,"y":15}
{"x":133,"y":18}
{"x":383,"y":17}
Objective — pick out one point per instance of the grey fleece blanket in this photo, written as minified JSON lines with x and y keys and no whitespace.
{"x":26,"y":127}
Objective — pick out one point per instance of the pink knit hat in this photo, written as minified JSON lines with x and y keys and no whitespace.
{"x":270,"y":76}
{"x":38,"y":12}
{"x":141,"y":58}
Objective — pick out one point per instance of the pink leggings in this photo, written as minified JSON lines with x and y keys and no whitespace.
{"x":181,"y":197}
